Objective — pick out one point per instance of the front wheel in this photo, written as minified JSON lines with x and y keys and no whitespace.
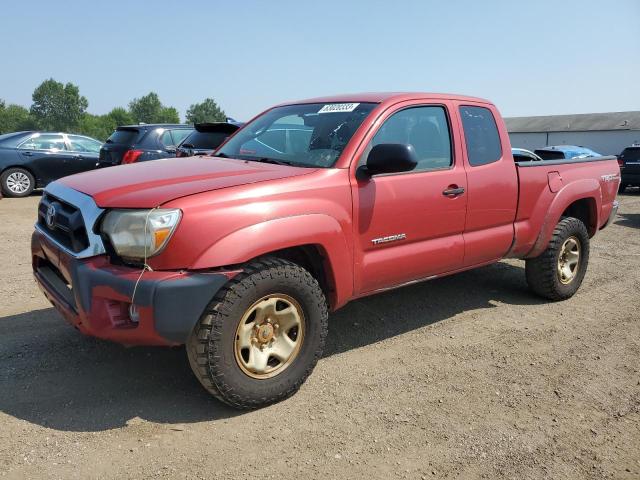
{"x":17,"y":182}
{"x":558,"y":272}
{"x":261,"y":335}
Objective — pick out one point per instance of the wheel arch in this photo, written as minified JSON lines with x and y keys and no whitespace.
{"x":316,"y":242}
{"x":582,"y":198}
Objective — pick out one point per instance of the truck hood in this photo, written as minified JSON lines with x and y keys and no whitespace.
{"x":149,"y":184}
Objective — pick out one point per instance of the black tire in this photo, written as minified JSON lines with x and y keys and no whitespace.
{"x":622,"y":188}
{"x":22,"y":173}
{"x":542,"y":272}
{"x":211,"y":350}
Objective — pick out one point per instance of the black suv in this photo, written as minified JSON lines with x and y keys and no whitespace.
{"x":139,"y":143}
{"x":629,"y":161}
{"x":206,"y":138}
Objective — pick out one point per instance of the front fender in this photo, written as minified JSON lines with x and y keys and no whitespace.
{"x":266,"y":237}
{"x":587,"y":188}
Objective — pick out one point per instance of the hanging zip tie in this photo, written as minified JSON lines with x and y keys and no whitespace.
{"x":145,"y":266}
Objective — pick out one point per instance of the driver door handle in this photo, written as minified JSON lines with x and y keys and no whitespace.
{"x":453,"y":192}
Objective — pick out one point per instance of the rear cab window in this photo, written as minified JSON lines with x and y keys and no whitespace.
{"x":481,"y":135}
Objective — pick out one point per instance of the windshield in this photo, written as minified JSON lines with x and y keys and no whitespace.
{"x":310,"y":135}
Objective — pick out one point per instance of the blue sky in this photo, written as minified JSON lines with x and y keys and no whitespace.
{"x":530,"y":58}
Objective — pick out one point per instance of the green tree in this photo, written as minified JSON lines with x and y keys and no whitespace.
{"x":14,"y":118}
{"x":119,"y":116}
{"x":57,"y":106}
{"x":207,"y":111}
{"x":169,"y":115}
{"x":101,"y":126}
{"x":149,"y":109}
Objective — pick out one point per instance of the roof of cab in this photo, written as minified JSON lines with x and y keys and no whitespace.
{"x":380,"y":97}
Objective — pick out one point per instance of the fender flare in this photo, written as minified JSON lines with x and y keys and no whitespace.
{"x":259,"y":239}
{"x":587,"y":188}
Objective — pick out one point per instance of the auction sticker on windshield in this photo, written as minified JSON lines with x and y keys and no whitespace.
{"x":339,"y":108}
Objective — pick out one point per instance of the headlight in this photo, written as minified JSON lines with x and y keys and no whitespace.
{"x":140,"y":233}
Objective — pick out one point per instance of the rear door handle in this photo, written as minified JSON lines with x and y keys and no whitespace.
{"x":452,"y":192}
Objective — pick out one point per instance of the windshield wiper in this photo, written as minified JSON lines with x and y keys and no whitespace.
{"x":270,"y":160}
{"x":221,"y":155}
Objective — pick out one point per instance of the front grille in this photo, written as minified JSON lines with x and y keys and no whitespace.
{"x":65,"y":226}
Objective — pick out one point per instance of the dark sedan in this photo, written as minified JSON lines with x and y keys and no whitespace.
{"x":31,"y":160}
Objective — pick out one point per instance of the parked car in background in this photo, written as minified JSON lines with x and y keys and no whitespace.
{"x":206,"y":138}
{"x":629,"y":161}
{"x":564,"y":152}
{"x":140,"y":143}
{"x":30,"y":160}
{"x":524,"y":155}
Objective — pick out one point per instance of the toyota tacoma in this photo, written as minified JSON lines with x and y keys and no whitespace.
{"x":241,"y":255}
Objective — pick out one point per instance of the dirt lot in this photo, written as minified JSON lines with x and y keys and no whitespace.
{"x":469,"y":376}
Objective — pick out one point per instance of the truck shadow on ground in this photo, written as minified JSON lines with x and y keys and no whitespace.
{"x":52,"y":376}
{"x":628,"y":220}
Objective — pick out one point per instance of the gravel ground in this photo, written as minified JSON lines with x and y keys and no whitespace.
{"x":468,"y":376}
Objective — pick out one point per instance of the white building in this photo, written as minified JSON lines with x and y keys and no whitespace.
{"x":606,"y":133}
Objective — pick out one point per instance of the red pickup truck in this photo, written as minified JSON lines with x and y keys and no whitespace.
{"x":241,"y":255}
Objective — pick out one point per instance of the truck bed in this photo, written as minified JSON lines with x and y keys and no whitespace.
{"x":547,"y":186}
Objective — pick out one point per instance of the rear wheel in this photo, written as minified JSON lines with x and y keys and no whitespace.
{"x":261,"y":335}
{"x":17,"y":182}
{"x":558,"y":272}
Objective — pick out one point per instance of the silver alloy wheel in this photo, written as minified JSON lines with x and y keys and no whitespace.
{"x":18,"y":182}
{"x":569,"y":260}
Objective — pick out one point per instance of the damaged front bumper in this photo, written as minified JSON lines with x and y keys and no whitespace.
{"x":97,"y":297}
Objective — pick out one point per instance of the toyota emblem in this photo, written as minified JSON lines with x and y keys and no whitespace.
{"x":50,"y":217}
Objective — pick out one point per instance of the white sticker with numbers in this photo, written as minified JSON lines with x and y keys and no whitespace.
{"x":339,"y":108}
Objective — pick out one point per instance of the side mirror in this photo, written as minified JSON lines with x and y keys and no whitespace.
{"x":389,"y":158}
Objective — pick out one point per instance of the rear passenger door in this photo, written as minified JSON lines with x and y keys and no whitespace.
{"x":85,"y":153}
{"x":406,"y":226}
{"x":492,"y":182}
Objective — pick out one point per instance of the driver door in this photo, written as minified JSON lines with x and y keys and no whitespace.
{"x":406,"y":226}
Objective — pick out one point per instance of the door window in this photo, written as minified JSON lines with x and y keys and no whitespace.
{"x":481,"y":135}
{"x":179,"y":135}
{"x":426,"y":129}
{"x":166,"y":139}
{"x":83,"y":144}
{"x":44,"y":141}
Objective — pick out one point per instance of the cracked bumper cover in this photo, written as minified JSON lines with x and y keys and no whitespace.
{"x":94,"y":296}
